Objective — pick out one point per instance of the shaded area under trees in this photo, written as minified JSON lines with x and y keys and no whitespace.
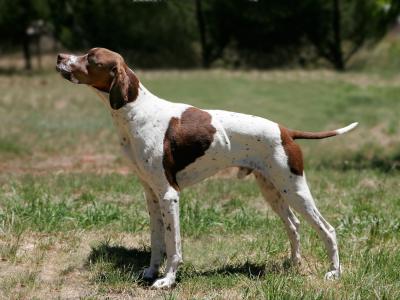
{"x":207,"y":33}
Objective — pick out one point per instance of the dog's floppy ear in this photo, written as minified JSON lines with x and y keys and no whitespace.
{"x":119,"y":91}
{"x":125,"y":86}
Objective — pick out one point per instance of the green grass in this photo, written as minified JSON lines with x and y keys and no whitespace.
{"x":383,"y":59}
{"x":74,"y":225}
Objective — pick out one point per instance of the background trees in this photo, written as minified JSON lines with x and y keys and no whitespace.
{"x":339,"y":28}
{"x":18,"y":27}
{"x":227,"y":33}
{"x":153,"y":34}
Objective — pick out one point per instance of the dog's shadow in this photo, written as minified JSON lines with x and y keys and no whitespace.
{"x":131,"y":262}
{"x":126,"y":261}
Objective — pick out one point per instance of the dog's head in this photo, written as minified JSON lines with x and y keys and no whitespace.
{"x":104,"y":70}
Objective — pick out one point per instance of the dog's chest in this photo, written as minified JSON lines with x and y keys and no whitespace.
{"x":141,"y":129}
{"x":139,"y":150}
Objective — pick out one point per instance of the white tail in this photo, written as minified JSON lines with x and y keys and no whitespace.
{"x":347,"y":128}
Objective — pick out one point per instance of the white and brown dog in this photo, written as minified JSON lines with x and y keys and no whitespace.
{"x":173,"y":145}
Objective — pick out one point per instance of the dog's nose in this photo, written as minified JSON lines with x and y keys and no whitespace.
{"x":61,"y":57}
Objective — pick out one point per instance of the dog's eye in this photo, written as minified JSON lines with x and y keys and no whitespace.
{"x":99,"y":65}
{"x":90,"y":58}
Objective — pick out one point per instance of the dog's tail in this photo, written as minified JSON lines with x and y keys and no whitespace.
{"x":297,"y":134}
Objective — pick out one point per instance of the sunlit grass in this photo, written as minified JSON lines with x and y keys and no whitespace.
{"x":67,"y":231}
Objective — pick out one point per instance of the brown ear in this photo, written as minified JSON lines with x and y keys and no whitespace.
{"x":125,"y":86}
{"x":119,"y":91}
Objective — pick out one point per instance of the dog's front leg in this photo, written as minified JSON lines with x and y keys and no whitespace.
{"x":157,"y":234}
{"x":169,"y":205}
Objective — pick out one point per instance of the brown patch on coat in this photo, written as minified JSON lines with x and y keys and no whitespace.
{"x":293,"y":152}
{"x":186,"y":139}
{"x":297,"y":134}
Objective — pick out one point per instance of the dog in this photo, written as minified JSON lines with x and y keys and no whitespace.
{"x":173,"y":145}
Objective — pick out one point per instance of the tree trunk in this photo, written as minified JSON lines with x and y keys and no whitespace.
{"x":38,"y":51}
{"x":27,"y":52}
{"x":205,"y":53}
{"x":337,"y":53}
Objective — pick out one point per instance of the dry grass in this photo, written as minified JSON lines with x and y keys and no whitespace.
{"x":73,"y":222}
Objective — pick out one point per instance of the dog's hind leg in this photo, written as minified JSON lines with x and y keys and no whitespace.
{"x":280,"y":206}
{"x":294,"y":189}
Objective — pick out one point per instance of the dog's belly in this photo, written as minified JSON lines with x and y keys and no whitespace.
{"x":202,"y":168}
{"x":241,"y":140}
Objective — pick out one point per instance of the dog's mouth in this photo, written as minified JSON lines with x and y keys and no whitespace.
{"x":65,"y":72}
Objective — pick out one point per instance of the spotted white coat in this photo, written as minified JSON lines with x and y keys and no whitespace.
{"x":247,"y":141}
{"x":252,"y":143}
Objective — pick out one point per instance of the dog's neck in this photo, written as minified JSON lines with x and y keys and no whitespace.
{"x":142,"y":94}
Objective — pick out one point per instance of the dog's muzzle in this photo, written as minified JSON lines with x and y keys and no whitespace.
{"x":64,"y":66}
{"x":64,"y":71}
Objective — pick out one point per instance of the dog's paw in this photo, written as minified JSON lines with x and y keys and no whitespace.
{"x":164,"y":283}
{"x":332,"y":275}
{"x":292,"y":262}
{"x":149,"y":274}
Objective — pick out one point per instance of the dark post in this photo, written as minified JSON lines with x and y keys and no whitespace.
{"x":203,"y":37}
{"x":27,"y":51}
{"x":337,"y":37}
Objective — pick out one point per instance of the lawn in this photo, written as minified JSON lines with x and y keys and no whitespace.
{"x":73,"y":220}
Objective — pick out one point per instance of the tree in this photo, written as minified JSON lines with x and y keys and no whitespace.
{"x":205,"y":49}
{"x":150,"y":34}
{"x":214,"y":28}
{"x":15,"y":18}
{"x":339,"y":28}
{"x":277,"y":32}
{"x":249,"y":33}
{"x":234,"y":33}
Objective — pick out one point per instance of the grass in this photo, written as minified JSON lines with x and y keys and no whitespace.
{"x":73,"y":221}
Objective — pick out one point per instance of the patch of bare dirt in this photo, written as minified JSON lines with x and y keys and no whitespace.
{"x":84,"y":163}
{"x":380,"y":134}
{"x":92,"y":163}
{"x":59,"y":262}
{"x":227,"y":173}
{"x":368,"y":183}
{"x":8,"y":270}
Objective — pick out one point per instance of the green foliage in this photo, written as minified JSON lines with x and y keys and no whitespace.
{"x":383,"y":59}
{"x":339,"y":28}
{"x":227,"y":33}
{"x":151,"y":34}
{"x":16,"y":16}
{"x":42,"y":207}
{"x":16,"y":21}
{"x":267,"y":33}
{"x":254,"y":33}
